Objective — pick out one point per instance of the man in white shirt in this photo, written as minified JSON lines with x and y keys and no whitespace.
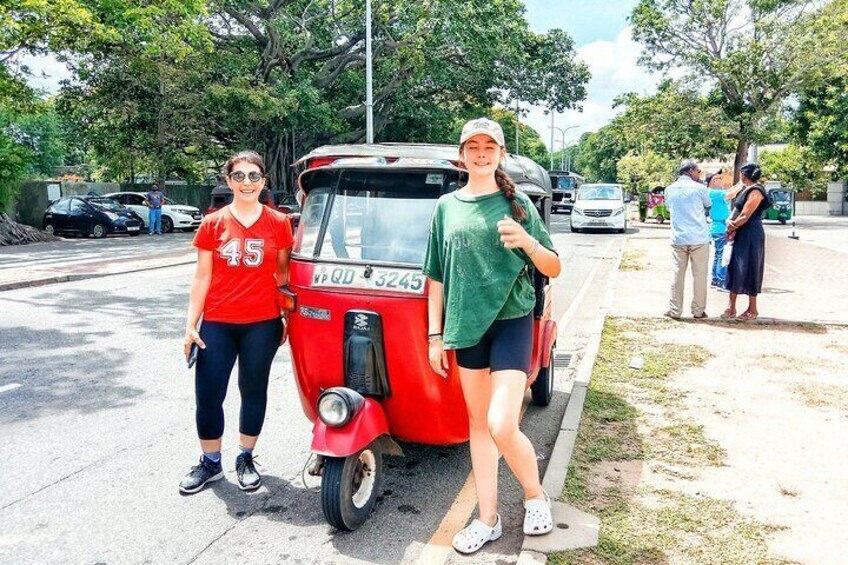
{"x":688,"y":202}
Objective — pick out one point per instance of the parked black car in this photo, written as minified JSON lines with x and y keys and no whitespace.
{"x":90,"y":215}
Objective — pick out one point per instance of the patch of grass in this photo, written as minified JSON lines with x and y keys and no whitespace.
{"x":640,"y":524}
{"x":788,"y":491}
{"x":632,"y":261}
{"x":819,"y":395}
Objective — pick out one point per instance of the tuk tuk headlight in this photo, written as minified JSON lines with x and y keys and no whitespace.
{"x":338,"y":405}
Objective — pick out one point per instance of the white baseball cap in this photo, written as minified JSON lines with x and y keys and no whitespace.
{"x":482,"y":126}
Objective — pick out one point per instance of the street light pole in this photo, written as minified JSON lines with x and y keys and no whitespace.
{"x":517,"y":124}
{"x":552,"y":139}
{"x":369,"y":78}
{"x":562,"y":132}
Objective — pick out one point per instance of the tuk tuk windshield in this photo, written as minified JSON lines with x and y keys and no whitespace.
{"x":780,"y":196}
{"x":373,"y":216}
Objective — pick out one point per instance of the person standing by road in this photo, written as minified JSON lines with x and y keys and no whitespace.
{"x":242,"y":257}
{"x":483,"y":239}
{"x":689,"y":203}
{"x":745,"y":229}
{"x":719,"y":212}
{"x":154,"y":200}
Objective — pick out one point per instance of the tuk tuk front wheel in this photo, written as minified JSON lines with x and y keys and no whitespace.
{"x":350,"y":486}
{"x":542,"y":389}
{"x":782,"y":221}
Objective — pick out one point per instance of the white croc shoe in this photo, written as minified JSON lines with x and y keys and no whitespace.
{"x":476,"y":535}
{"x":537,"y":516}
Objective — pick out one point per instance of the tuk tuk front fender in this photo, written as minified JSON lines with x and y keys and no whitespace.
{"x":366,"y":426}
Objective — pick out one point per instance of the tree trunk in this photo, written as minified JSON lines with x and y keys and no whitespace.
{"x":278,"y":162}
{"x":742,"y":146}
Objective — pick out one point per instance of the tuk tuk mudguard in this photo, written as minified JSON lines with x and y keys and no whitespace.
{"x":366,"y":426}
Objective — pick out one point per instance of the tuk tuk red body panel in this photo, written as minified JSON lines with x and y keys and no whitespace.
{"x":423,"y":406}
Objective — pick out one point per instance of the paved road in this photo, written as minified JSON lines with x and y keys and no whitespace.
{"x":100,"y":429}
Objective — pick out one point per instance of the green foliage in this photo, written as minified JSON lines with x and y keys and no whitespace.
{"x":677,"y":121}
{"x":754,"y":53}
{"x":16,"y":160}
{"x":643,"y":172}
{"x":798,"y":168}
{"x":599,"y":153}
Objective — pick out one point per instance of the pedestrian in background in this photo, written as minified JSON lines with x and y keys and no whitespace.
{"x":688,"y":202}
{"x":154,"y":200}
{"x":745,"y":228}
{"x":242,"y":257}
{"x":484,"y":238}
{"x":719,"y":212}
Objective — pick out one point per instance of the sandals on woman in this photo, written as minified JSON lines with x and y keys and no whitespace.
{"x":476,"y":535}
{"x":746,"y":317}
{"x":537,"y":516}
{"x":728,"y":314}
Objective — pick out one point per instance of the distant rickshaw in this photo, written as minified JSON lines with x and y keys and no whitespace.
{"x":656,"y":208}
{"x":781,"y":205}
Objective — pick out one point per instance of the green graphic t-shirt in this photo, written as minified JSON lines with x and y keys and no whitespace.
{"x":483,"y":280}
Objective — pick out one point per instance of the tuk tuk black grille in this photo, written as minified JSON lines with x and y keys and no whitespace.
{"x":365,"y":354}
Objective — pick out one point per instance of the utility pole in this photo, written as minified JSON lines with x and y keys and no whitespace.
{"x":517,"y":125}
{"x":369,"y":78}
{"x":552,"y":139}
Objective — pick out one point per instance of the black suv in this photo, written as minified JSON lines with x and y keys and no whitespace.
{"x":90,"y":215}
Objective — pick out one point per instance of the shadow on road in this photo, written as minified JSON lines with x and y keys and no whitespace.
{"x":58,"y":377}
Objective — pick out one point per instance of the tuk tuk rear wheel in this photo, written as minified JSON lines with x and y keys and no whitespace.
{"x":350,"y":486}
{"x":542,"y":389}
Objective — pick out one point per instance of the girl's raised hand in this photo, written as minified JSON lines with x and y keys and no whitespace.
{"x":513,"y":235}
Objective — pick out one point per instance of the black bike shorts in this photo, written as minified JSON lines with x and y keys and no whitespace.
{"x":506,"y":346}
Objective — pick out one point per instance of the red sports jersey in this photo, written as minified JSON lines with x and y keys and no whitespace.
{"x":244,"y":263}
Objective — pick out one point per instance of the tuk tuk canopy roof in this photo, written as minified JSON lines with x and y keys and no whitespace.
{"x":528,"y":175}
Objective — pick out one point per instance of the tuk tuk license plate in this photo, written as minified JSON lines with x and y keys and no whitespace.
{"x":378,"y":278}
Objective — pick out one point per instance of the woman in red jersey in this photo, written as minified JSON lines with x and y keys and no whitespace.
{"x":242,"y":256}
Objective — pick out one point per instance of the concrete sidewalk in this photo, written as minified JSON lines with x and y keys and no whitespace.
{"x":803,"y":282}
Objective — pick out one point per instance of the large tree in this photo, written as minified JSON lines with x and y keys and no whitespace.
{"x":751,"y":52}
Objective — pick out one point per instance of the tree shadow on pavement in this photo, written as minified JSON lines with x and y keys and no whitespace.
{"x":158,"y":316}
{"x":60,"y":372}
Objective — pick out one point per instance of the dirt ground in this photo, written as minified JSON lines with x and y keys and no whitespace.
{"x":726,"y":446}
{"x":779,"y":410}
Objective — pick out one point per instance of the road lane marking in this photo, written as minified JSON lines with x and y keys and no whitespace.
{"x":10,"y":386}
{"x":440,"y":545}
{"x":584,"y":288}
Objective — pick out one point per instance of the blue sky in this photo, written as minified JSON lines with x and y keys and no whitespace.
{"x":603,"y":41}
{"x":584,"y":20}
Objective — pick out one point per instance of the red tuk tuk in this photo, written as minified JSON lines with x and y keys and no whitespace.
{"x":358,"y":313}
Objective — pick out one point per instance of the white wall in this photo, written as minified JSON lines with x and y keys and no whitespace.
{"x":811,"y":208}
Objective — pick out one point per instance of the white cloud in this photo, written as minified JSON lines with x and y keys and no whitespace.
{"x":47,"y":71}
{"x":615,"y":70}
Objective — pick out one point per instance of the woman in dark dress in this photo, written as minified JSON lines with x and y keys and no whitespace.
{"x":745,"y":229}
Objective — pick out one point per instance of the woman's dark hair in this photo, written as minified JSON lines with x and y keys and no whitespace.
{"x":752,"y":171}
{"x":506,"y":186}
{"x":251,"y":157}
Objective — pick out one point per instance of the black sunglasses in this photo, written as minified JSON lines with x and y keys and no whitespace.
{"x":239,"y":176}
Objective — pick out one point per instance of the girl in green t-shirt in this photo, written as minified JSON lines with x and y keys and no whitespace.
{"x":483,"y":238}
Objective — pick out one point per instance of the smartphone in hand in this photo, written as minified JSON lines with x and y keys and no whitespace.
{"x":192,"y":355}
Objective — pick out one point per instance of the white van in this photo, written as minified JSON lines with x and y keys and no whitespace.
{"x":600,"y":206}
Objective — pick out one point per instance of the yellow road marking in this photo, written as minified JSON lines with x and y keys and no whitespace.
{"x":439,"y":547}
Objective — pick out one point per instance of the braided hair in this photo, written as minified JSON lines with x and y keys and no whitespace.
{"x":507,"y":187}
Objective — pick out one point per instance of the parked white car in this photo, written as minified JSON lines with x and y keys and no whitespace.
{"x":174,"y":216}
{"x":600,"y":206}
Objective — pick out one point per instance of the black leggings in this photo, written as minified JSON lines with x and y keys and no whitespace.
{"x":255,"y":346}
